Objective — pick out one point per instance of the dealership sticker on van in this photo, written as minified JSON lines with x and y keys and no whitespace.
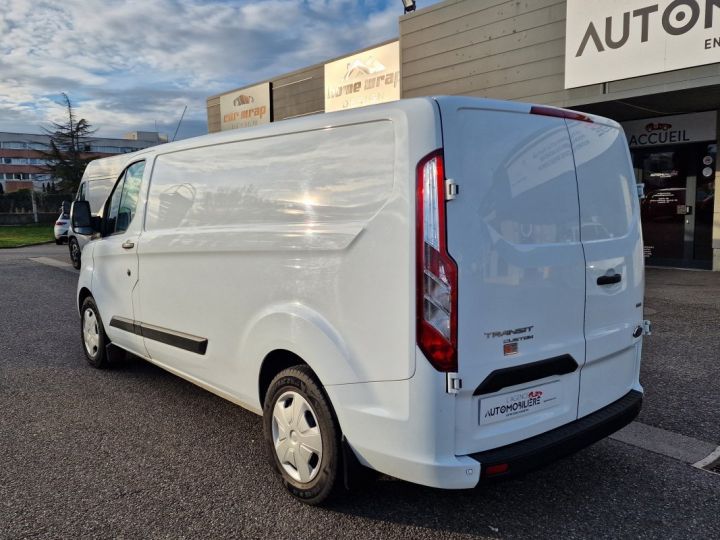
{"x":514,"y":404}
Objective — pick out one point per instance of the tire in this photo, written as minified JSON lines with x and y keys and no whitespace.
{"x":311,"y":467}
{"x":75,"y":256}
{"x":58,"y":241}
{"x":92,"y":335}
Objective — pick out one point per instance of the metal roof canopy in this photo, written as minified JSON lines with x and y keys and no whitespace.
{"x":706,"y":98}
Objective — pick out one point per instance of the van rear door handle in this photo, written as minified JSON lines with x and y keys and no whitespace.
{"x":609,"y":280}
{"x":127,"y":244}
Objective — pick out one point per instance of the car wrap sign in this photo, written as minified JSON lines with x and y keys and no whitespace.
{"x":609,"y":40}
{"x":245,"y":108}
{"x":366,"y":78}
{"x":678,"y":129}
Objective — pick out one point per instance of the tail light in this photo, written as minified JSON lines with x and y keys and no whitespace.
{"x":60,"y":222}
{"x":436,"y":270}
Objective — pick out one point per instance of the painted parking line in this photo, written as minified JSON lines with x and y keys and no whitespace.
{"x":49,"y":261}
{"x":708,"y":460}
{"x":666,"y":443}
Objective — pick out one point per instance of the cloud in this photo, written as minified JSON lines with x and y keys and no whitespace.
{"x":128,"y":64}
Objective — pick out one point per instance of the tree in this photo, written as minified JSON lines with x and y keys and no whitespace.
{"x":65,"y":158}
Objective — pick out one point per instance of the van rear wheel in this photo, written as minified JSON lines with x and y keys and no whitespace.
{"x":302,"y":435}
{"x":93,"y":335}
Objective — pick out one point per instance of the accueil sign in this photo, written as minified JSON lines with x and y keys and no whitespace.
{"x":678,"y":129}
{"x":609,"y":40}
{"x":245,"y":108}
{"x":366,"y":78}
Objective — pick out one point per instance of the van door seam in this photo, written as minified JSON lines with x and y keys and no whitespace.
{"x":582,"y":246}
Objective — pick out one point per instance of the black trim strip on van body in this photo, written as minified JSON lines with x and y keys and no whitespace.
{"x":511,"y":376}
{"x":181,"y":340}
{"x":125,"y":324}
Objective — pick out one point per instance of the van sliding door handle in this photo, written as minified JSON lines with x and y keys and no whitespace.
{"x":127,"y":244}
{"x":609,"y":280}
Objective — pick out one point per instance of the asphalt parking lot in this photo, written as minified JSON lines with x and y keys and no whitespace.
{"x":135,"y":452}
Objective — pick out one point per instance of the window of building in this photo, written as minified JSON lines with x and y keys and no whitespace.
{"x":14,"y":145}
{"x":106,"y":149}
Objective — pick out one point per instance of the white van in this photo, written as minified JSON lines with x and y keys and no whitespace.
{"x":446,"y":290}
{"x":97,"y":181}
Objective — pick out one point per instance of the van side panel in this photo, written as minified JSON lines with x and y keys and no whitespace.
{"x":316,"y":221}
{"x":286,"y":186}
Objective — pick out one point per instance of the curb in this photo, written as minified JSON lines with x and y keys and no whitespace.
{"x":28,"y":245}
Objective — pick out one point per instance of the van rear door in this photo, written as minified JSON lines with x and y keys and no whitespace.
{"x":612,"y":241}
{"x":513,"y":231}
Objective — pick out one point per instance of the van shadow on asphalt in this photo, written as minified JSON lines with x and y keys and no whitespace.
{"x":573,"y":496}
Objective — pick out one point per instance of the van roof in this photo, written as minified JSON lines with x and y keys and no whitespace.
{"x":362,"y":114}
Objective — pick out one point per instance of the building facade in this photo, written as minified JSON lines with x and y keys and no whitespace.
{"x":652,"y":65}
{"x":22,"y":163}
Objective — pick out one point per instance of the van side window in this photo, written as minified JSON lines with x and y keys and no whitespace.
{"x":130,"y":196}
{"x":81,"y":193}
{"x":124,"y":200}
{"x":114,"y":207}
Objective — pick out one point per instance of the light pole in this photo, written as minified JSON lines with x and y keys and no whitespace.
{"x":409,"y":5}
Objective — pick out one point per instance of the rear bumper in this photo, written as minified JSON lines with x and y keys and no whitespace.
{"x":537,"y":451}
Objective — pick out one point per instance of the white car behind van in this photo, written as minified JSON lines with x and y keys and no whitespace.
{"x":446,"y":290}
{"x":97,"y":181}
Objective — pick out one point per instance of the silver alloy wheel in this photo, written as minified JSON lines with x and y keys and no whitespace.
{"x":91,"y":332}
{"x":296,"y":436}
{"x":74,"y":251}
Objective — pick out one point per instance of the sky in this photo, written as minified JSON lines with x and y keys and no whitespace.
{"x":129,"y":65}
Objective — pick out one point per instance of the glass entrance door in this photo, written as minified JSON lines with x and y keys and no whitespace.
{"x":704,"y":204}
{"x":679,"y":189}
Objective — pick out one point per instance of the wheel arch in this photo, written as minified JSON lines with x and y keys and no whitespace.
{"x":274,"y":362}
{"x":293,"y":334}
{"x":83,"y":293}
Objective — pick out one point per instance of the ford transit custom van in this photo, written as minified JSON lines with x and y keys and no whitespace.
{"x":446,"y":290}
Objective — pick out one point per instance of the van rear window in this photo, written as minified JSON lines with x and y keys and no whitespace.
{"x":337,"y":174}
{"x":606,"y":182}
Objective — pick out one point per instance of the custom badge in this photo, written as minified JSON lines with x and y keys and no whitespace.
{"x":511,"y":338}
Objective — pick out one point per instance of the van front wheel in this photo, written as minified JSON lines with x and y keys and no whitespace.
{"x":74,"y":248}
{"x":302,"y":435}
{"x":93,"y":334}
